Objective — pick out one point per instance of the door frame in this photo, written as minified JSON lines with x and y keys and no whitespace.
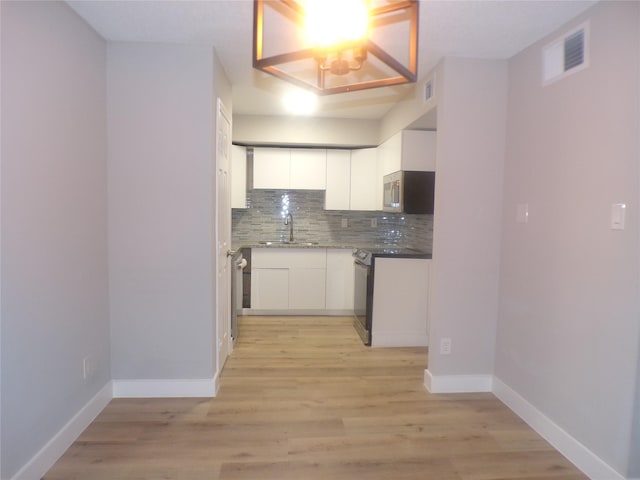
{"x":222,"y":324}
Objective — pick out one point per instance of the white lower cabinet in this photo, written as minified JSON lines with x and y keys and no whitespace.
{"x":270,"y":288}
{"x":298,"y":280}
{"x":339,"y":280}
{"x":288,"y":279}
{"x":400,"y":302}
{"x":307,"y":289}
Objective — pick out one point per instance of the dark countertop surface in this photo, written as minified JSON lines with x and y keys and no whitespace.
{"x":384,"y":251}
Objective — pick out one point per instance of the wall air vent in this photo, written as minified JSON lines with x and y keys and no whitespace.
{"x":566,"y":55}
{"x":428,"y":89}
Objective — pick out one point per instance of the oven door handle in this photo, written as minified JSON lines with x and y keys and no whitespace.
{"x":359,"y":263}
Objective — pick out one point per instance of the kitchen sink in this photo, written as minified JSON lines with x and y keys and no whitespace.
{"x":282,"y":242}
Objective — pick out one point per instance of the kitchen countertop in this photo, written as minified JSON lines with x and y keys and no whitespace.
{"x":383,"y":251}
{"x":296,"y":244}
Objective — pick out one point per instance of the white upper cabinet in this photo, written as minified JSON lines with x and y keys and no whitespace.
{"x":284,"y":168}
{"x":338,"y":192}
{"x":364,"y":180}
{"x":271,"y":168}
{"x":238,"y":177}
{"x":413,"y":150}
{"x":308,"y":169}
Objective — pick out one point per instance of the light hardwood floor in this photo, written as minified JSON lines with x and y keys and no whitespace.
{"x":301,"y":398}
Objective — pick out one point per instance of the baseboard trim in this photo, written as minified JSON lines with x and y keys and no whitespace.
{"x":61,"y":441}
{"x":583,"y":458}
{"x":295,"y":313}
{"x":199,"y":387}
{"x":457,"y":383}
{"x":399,"y":339}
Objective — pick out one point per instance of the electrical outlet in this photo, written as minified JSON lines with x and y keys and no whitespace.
{"x":345,"y":222}
{"x":374,"y":222}
{"x":445,"y":346}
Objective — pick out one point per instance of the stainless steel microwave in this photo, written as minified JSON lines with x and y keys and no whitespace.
{"x":409,"y":192}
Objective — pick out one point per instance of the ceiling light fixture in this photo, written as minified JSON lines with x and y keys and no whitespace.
{"x":337,"y":46}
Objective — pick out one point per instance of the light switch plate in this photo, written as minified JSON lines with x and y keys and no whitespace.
{"x":345,"y":222}
{"x":618,"y":211}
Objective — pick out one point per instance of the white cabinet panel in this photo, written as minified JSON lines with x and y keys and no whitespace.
{"x":389,"y":153}
{"x":307,"y":288}
{"x":418,"y":151}
{"x":270,"y":288}
{"x":288,"y":278}
{"x":284,"y":168}
{"x":338,"y":192}
{"x":271,"y":168}
{"x":413,"y":150}
{"x":364,"y":178}
{"x":400,"y":302}
{"x":288,"y":257}
{"x":339,"y":279}
{"x":238,"y":177}
{"x":307,"y":258}
{"x":308,"y":169}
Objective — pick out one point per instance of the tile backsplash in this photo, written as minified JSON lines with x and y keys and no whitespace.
{"x":264,"y":220}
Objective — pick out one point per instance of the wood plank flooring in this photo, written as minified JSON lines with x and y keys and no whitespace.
{"x":301,"y":398}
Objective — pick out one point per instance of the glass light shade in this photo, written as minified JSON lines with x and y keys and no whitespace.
{"x":378,"y":50}
{"x":328,"y":23}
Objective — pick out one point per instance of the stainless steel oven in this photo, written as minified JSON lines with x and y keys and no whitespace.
{"x":363,"y":295}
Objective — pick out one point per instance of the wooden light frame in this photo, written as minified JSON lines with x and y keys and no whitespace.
{"x":293,"y":10}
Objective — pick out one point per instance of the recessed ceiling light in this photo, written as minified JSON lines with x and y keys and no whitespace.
{"x":300,"y":102}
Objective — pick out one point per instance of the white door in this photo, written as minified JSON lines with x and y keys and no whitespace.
{"x":223,"y":234}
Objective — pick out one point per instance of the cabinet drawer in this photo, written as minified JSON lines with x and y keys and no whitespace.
{"x":288,"y":257}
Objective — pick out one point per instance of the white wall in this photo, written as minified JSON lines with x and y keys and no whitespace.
{"x":339,"y":132}
{"x":413,"y":107}
{"x":161,"y":106}
{"x":54,"y":223}
{"x":568,"y":330}
{"x":467,"y":218}
{"x":633,"y":470}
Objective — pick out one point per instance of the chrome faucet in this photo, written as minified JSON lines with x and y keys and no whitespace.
{"x":288,"y":220}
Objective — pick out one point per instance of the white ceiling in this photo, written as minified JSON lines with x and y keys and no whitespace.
{"x":474,"y":28}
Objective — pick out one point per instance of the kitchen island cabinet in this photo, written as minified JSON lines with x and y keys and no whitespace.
{"x":400,"y":302}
